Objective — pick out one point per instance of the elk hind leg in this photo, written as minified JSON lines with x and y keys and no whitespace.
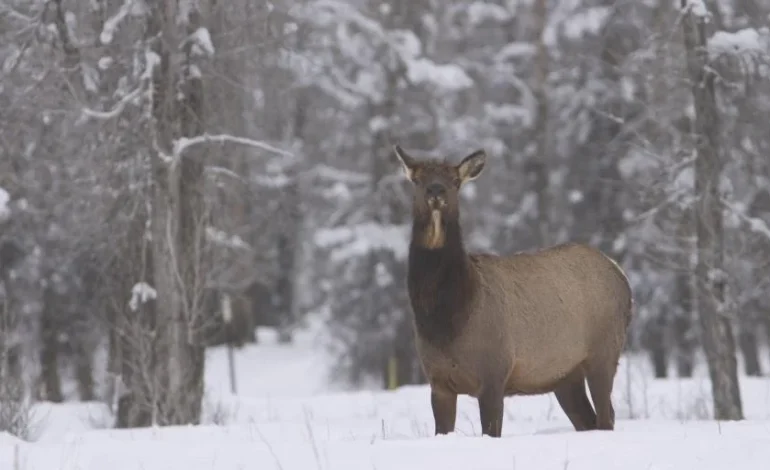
{"x":572,"y":397}
{"x":600,"y":377}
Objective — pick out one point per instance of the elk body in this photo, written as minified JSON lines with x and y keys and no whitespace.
{"x":494,"y":326}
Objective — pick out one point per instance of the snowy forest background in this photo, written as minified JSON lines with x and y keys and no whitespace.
{"x":164,"y":162}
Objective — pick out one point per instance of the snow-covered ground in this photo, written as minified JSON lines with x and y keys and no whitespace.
{"x":286,"y":416}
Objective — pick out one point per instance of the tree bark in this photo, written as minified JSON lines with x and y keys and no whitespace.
{"x":711,"y":280}
{"x":49,"y":348}
{"x":287,"y":251}
{"x":656,"y":345}
{"x":749,"y":328}
{"x":540,"y":160}
{"x":133,"y":353}
{"x":164,"y":356}
{"x":11,"y":379}
{"x":84,"y":374}
{"x":187,"y":359}
{"x":683,"y":322}
{"x":747,"y":340}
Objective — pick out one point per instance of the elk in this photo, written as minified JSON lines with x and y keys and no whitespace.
{"x":491,"y":326}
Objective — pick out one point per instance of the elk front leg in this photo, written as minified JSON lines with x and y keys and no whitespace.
{"x":444,"y":404}
{"x":491,"y":411}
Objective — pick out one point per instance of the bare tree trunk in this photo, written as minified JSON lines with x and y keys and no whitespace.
{"x":134,"y":355}
{"x":287,"y":252}
{"x":11,"y":379}
{"x":163,"y":355}
{"x":164,"y":217}
{"x":683,"y":326}
{"x":684,"y":318}
{"x":750,"y":352}
{"x":748,"y":341}
{"x":710,"y":276}
{"x":540,"y":159}
{"x":191,"y":252}
{"x":49,"y":349}
{"x":84,"y":374}
{"x":656,"y":344}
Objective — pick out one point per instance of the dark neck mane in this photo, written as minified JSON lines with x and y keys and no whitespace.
{"x":440,"y":283}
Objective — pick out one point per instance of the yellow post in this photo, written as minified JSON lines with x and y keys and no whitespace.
{"x":392,"y":373}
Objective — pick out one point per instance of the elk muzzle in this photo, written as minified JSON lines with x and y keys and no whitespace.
{"x":435,"y":193}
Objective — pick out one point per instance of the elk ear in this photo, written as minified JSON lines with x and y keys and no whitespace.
{"x":406,"y":161}
{"x":471,"y":166}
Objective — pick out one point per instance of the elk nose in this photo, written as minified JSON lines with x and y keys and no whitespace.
{"x":435,"y":189}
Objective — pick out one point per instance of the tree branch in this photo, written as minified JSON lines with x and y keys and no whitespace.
{"x":116,"y":110}
{"x":183,"y":143}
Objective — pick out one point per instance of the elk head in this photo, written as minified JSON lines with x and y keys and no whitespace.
{"x":436,"y":190}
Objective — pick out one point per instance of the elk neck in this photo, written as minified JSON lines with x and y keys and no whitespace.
{"x":440,"y":279}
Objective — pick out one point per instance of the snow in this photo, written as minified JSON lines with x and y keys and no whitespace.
{"x":516,"y":50}
{"x":221,"y":238}
{"x":588,"y":21}
{"x":202,"y":43}
{"x":357,"y":240}
{"x":697,"y":7}
{"x":112,"y":23}
{"x":406,"y":43}
{"x":5,"y":211}
{"x":635,"y":162}
{"x":575,"y":196}
{"x":378,"y":123}
{"x":152,"y":60}
{"x":90,"y":78}
{"x":736,"y":212}
{"x":141,"y":293}
{"x":268,"y":447}
{"x":619,"y":244}
{"x":287,"y":416}
{"x":685,"y":179}
{"x":447,"y":77}
{"x":105,"y":62}
{"x":508,"y":114}
{"x":748,"y":41}
{"x":480,"y":12}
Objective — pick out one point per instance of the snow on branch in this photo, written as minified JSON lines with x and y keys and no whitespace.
{"x":221,"y":238}
{"x":273,"y":181}
{"x":116,"y":110}
{"x":140,"y":294}
{"x":202,"y":43}
{"x":5,"y":211}
{"x":755,"y":224}
{"x":448,"y":77}
{"x":405,"y":44}
{"x":333,"y":10}
{"x":354,"y":241}
{"x":586,"y":22}
{"x":516,"y":50}
{"x":749,"y":45}
{"x":218,"y":170}
{"x":338,"y":174}
{"x":479,"y":12}
{"x":696,"y":7}
{"x":112,"y":23}
{"x":183,"y":143}
{"x":10,"y":12}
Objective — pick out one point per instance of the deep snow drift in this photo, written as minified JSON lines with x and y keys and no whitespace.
{"x":285,"y":416}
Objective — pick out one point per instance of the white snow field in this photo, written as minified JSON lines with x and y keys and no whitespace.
{"x":286,"y":416}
